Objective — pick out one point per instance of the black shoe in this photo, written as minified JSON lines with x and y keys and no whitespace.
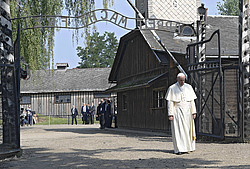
{"x":180,"y":153}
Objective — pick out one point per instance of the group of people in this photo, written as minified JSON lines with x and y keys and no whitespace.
{"x":27,"y":117}
{"x":87,"y":113}
{"x":103,"y":114}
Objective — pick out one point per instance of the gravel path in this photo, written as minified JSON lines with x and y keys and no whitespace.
{"x":67,"y":146}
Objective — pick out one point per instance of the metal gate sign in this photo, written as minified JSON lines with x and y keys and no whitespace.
{"x":98,"y":15}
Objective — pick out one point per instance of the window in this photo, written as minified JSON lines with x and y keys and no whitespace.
{"x":124,"y":102}
{"x":158,"y":98}
{"x":62,"y":98}
{"x":25,"y":100}
{"x":101,"y":95}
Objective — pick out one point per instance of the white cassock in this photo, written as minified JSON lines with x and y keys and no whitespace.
{"x":181,"y":106}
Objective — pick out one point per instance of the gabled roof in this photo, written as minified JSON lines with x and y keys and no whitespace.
{"x":160,"y":55}
{"x":173,"y":45}
{"x":69,"y":80}
{"x":228,"y":26}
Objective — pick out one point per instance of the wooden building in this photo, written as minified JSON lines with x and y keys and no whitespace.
{"x":54,"y":92}
{"x":143,"y":72}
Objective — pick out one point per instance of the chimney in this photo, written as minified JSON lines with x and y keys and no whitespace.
{"x":62,"y":66}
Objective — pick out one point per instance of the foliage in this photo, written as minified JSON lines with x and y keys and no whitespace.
{"x":99,"y":52}
{"x":37,"y":44}
{"x":228,"y":7}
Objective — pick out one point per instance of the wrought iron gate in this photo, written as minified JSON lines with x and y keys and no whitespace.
{"x":216,"y":100}
{"x":9,"y":93}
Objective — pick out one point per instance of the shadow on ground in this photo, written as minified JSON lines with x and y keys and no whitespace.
{"x":43,"y":158}
{"x":39,"y":158}
{"x":142,"y":135}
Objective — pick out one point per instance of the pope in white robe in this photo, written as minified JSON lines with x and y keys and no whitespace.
{"x":181,"y":113}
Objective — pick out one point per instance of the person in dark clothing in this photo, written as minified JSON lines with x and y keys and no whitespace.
{"x":88,"y":114}
{"x":29,"y":116}
{"x":84,"y":112}
{"x":101,"y":114}
{"x":92,"y":113}
{"x":115,"y":116}
{"x":98,"y":113}
{"x":74,"y":114}
{"x":108,"y":115}
{"x":23,"y":117}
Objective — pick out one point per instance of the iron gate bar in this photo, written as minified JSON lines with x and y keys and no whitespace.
{"x":211,"y":116}
{"x":206,"y":102}
{"x":210,"y":94}
{"x":223,"y":69}
{"x":202,"y":97}
{"x":17,"y":67}
{"x":191,"y":49}
{"x":208,"y":40}
{"x":208,"y":72}
{"x":208,"y":91}
{"x":210,"y":135}
{"x":222,"y":92}
{"x":231,"y":118}
{"x":7,"y":65}
{"x":191,"y":64}
{"x":203,"y":68}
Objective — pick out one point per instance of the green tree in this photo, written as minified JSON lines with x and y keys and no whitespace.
{"x":228,"y":7}
{"x":37,"y":44}
{"x":99,"y":52}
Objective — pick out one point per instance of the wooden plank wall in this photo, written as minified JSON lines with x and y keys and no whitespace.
{"x":161,"y":114}
{"x":45,"y":103}
{"x":231,"y":100}
{"x":139,"y":62}
{"x":139,"y":113}
{"x":137,"y":58}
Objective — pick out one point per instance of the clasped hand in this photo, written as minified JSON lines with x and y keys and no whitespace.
{"x":172,"y":117}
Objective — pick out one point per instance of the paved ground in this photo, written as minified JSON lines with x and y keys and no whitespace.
{"x":66,"y":146}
